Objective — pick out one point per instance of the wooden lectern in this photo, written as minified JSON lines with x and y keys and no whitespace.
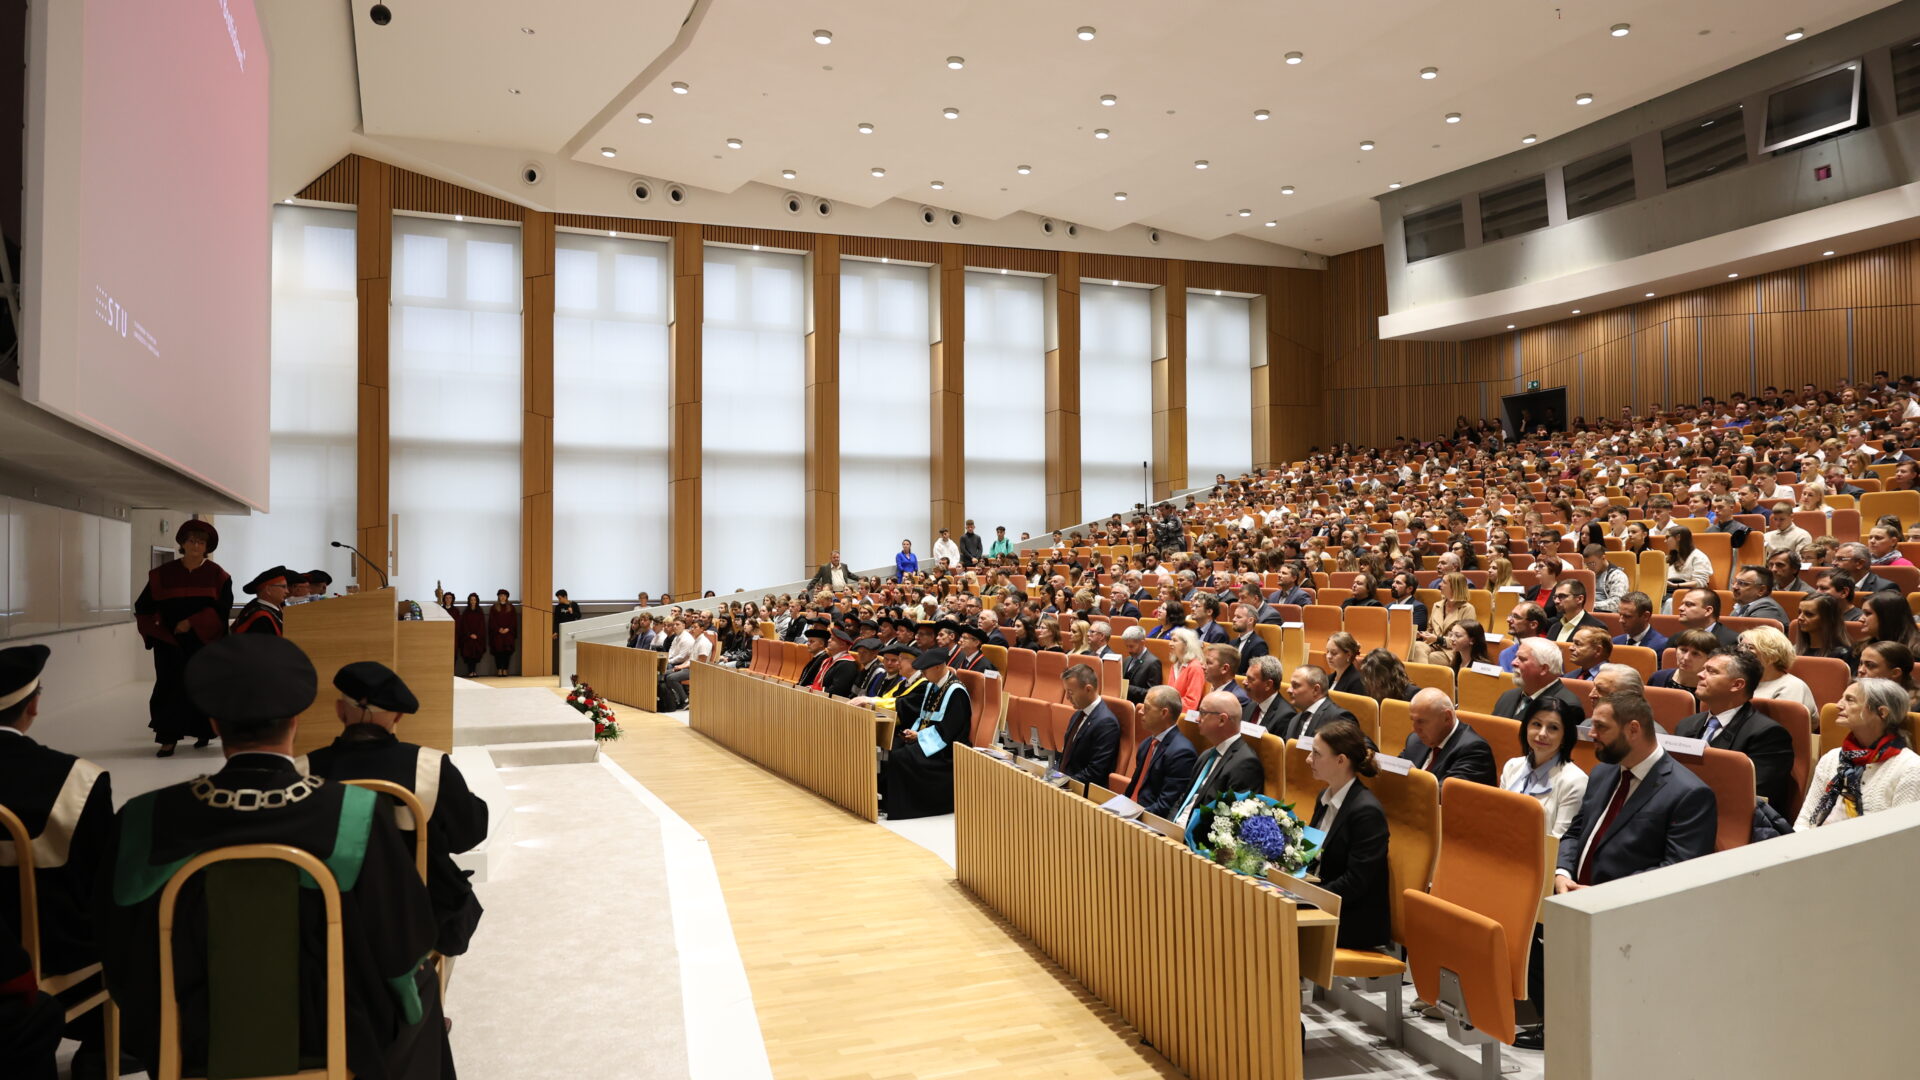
{"x":366,"y":626}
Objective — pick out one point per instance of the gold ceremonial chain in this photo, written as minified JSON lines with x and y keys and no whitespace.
{"x":254,"y":798}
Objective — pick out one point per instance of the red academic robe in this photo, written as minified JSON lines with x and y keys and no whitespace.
{"x":503,"y":630}
{"x":203,"y":598}
{"x":470,"y":633}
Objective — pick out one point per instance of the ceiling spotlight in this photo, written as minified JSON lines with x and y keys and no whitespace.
{"x":877,"y":171}
{"x":956,"y":62}
{"x":514,"y":90}
{"x":1286,"y":189}
{"x":1085,"y":33}
{"x":459,"y":217}
{"x":950,"y":113}
{"x":1295,"y":57}
{"x":1453,"y":118}
{"x":1509,"y":326}
{"x":608,"y":151}
{"x":1109,"y":99}
{"x":1200,"y":164}
{"x":1273,"y":224}
{"x":1366,"y":144}
{"x":1583,"y":98}
{"x":1244,"y":212}
{"x":864,"y":128}
{"x":1529,"y":140}
{"x":823,"y":37}
{"x":681,"y":88}
{"x":1003,"y":270}
{"x":788,"y":174}
{"x":734,"y":144}
{"x":1102,"y":133}
{"x":938,"y":185}
{"x":1119,"y":196}
{"x":1824,"y":254}
{"x":1262,"y":114}
{"x":1735,"y":274}
{"x":610,"y":232}
{"x":1023,"y":169}
{"x":1576,"y":311}
{"x":1429,"y":72}
{"x":1649,"y":296}
{"x":1395,"y":186}
{"x":290,"y":200}
{"x":643,"y":118}
{"x":1796,"y":33}
{"x":1620,"y":29}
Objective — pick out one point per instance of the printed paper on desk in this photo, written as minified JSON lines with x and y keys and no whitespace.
{"x":1122,"y":806}
{"x":1481,"y":667}
{"x":1674,"y":744}
{"x":1252,"y":730}
{"x":1193,"y":716}
{"x":1398,"y":766}
{"x":1495,"y":639}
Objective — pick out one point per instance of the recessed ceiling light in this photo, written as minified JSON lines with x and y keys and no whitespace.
{"x":956,"y":62}
{"x":823,"y":37}
{"x":1395,"y":186}
{"x":1453,"y":118}
{"x":610,"y":232}
{"x":681,"y":88}
{"x":643,"y":118}
{"x":756,"y":247}
{"x":1366,"y":144}
{"x":1244,"y":212}
{"x":1295,"y":57}
{"x":1529,"y":140}
{"x":1796,"y":33}
{"x":1824,"y":254}
{"x":1583,"y":98}
{"x":950,"y":113}
{"x":938,"y":185}
{"x":1119,"y":196}
{"x":788,"y":174}
{"x":608,"y":151}
{"x":864,"y":128}
{"x":1085,"y":33}
{"x":734,"y":144}
{"x":1649,"y":296}
{"x":1286,"y":189}
{"x":1735,"y":274}
{"x":1003,"y":269}
{"x":1576,"y":311}
{"x":1114,"y":282}
{"x":1429,"y":72}
{"x":877,"y":171}
{"x":1262,"y":114}
{"x":1200,"y":163}
{"x":1109,"y":99}
{"x":1023,"y":169}
{"x":1509,"y":326}
{"x":290,"y":200}
{"x":1620,"y":29}
{"x":1273,"y":224}
{"x":1101,"y":133}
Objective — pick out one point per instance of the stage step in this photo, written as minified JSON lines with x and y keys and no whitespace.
{"x":561,"y":752}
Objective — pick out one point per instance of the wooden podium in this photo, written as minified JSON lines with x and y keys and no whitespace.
{"x":365,"y":626}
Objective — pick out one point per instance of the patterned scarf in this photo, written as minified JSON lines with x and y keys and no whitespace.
{"x":1854,"y":760}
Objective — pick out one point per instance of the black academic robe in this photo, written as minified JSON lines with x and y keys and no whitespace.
{"x":30,"y":1022}
{"x":260,"y":617}
{"x":906,"y":706}
{"x":393,"y":1021}
{"x":456,"y":817}
{"x":202,"y":597}
{"x":839,"y":677}
{"x":813,"y":668}
{"x":66,"y":804}
{"x":917,"y":784}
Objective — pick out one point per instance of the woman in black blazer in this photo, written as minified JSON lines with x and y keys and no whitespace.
{"x":1353,"y":860}
{"x":1343,"y":664}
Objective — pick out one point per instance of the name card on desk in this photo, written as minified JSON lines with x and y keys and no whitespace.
{"x":1398,"y":766}
{"x":1293,"y":626}
{"x":1674,"y":744}
{"x":1033,"y":766}
{"x":1169,"y":829}
{"x":1481,"y":667}
{"x":1252,"y":730}
{"x":1121,"y":806}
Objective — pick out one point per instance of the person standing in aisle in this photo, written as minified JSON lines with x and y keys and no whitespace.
{"x":185,"y":606}
{"x":503,"y":632}
{"x":470,"y":633}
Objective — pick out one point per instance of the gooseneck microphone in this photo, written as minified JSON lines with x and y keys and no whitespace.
{"x":364,"y":559}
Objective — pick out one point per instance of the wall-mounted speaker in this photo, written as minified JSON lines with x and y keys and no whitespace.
{"x":1153,"y":236}
{"x":642,"y":190}
{"x":822,"y":208}
{"x":794,"y":203}
{"x":929,"y":216}
{"x":1046,"y":226}
{"x":676,"y":194}
{"x":531,"y":173}
{"x":954,"y":219}
{"x":1073,"y":232}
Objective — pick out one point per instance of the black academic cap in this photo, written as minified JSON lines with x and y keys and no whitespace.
{"x":841,"y":635}
{"x":20,"y":669}
{"x":974,"y":632}
{"x":372,"y":683}
{"x":319,"y":577}
{"x":251,"y":679}
{"x":818,"y":632}
{"x":266,"y":577}
{"x":932,"y":658}
{"x":867,"y":643}
{"x":899,"y":647}
{"x":948,"y":624}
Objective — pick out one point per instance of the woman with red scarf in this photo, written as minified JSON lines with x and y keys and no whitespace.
{"x":1874,"y":769}
{"x":503,"y":632}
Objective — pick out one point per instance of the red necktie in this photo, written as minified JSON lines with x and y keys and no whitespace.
{"x":1585,"y":876}
{"x":1140,"y":774}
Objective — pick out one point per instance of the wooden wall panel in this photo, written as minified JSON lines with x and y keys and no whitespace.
{"x":1123,"y":268}
{"x":373,"y":240}
{"x":743,"y":236}
{"x":947,"y":356}
{"x":536,"y":442}
{"x":428,"y":195}
{"x":823,"y":406}
{"x":600,"y":223}
{"x":1063,"y":395}
{"x":340,"y":184}
{"x":1170,"y":383}
{"x":926,"y":252}
{"x":1022,"y":260}
{"x":683,"y":421}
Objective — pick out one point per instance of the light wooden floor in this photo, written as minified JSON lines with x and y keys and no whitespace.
{"x":867,"y":959}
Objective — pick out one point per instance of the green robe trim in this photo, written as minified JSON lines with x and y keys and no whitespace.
{"x":136,"y":878}
{"x":406,"y":993}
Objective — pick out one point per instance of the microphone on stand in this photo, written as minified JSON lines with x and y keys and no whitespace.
{"x":364,"y":559}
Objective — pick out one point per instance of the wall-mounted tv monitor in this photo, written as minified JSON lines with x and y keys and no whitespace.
{"x":1816,"y":106}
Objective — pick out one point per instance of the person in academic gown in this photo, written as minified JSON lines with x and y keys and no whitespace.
{"x":470,"y":633}
{"x":30,"y":1021}
{"x":372,"y":701}
{"x":815,"y":662}
{"x":503,"y":632}
{"x":254,"y":687}
{"x":918,"y":778}
{"x":66,"y":804}
{"x":186,"y":605}
{"x":841,"y":669}
{"x":266,"y":612}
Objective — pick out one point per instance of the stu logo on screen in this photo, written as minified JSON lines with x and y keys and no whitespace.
{"x":109,"y":311}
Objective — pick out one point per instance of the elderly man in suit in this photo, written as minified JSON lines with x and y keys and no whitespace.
{"x":1444,"y":746}
{"x":1229,"y":765}
{"x":1312,"y":710}
{"x":1265,"y":686}
{"x":1728,"y":721}
{"x":1164,"y":761}
{"x":1141,"y":669}
{"x":1753,"y":596}
{"x":1092,"y":743}
{"x":1536,"y":673}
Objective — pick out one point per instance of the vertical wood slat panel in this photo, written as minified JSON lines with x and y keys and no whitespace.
{"x":536,"y":442}
{"x":684,"y":418}
{"x":821,"y":743}
{"x":1170,"y":383}
{"x":373,"y":256}
{"x":947,"y":357}
{"x":1062,"y":396}
{"x":823,"y":405}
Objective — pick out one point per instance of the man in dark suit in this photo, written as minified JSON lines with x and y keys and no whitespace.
{"x":1402,"y":586}
{"x":1246,"y":640}
{"x":1636,"y":618}
{"x":1265,"y":700}
{"x":1642,"y":811}
{"x":1290,"y":591}
{"x":1163,"y":763}
{"x":1229,"y":765}
{"x":1092,"y":743}
{"x":1444,"y":746}
{"x":1570,"y":600}
{"x":1206,"y":608}
{"x":1699,"y":609}
{"x":1753,"y":596}
{"x":1221,"y":662}
{"x":1119,"y":604}
{"x":1307,"y":691}
{"x":1536,"y":668}
{"x":1141,"y":668}
{"x":1589,"y":649}
{"x":1728,"y":721}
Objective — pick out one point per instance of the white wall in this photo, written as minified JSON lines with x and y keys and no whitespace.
{"x":1789,"y":958}
{"x":84,"y":666}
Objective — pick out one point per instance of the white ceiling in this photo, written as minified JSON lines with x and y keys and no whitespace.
{"x":1188,"y":76}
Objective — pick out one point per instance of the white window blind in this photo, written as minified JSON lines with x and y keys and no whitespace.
{"x":1005,"y":416}
{"x":885,"y":423}
{"x":1116,"y":397}
{"x":753,"y":424}
{"x":611,"y":528}
{"x":454,"y":413}
{"x":314,"y":358}
{"x":1219,"y":386}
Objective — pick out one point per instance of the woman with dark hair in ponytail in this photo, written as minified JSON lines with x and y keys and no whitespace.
{"x":1353,"y":859}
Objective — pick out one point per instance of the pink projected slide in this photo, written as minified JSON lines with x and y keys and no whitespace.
{"x":147,"y":184}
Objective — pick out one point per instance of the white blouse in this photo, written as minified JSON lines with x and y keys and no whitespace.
{"x":1696,"y":569}
{"x":1890,"y":783}
{"x":1788,"y":687}
{"x":1566,"y":786}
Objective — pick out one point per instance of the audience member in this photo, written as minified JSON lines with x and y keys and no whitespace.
{"x":1875,"y":768}
{"x":1091,"y":745}
{"x":1352,"y":863}
{"x":1164,"y":761}
{"x":917,"y":780}
{"x":1444,"y":746}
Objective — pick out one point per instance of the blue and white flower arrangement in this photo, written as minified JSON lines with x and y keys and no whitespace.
{"x":1248,"y":832}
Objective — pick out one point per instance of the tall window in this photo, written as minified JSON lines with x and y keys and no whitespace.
{"x":1006,"y":354}
{"x":885,"y":427}
{"x":1219,"y":386}
{"x":314,"y":404}
{"x":610,"y":402}
{"x":455,"y":407}
{"x":753,"y":439}
{"x":1116,"y":397}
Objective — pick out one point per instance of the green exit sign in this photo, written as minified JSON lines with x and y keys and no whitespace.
{"x":1534,"y":385}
